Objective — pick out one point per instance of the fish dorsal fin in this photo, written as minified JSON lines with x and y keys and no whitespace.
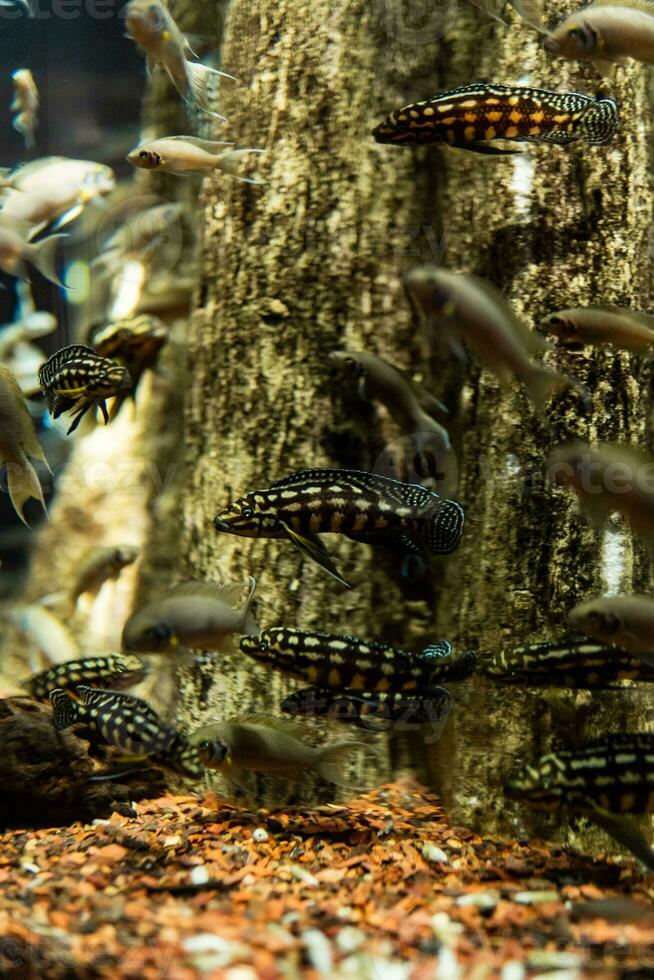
{"x":636,"y":316}
{"x":210,"y":146}
{"x":285,"y":725}
{"x":228,"y":592}
{"x":404,"y":493}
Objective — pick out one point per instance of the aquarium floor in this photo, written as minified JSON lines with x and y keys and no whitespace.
{"x":383,"y":887}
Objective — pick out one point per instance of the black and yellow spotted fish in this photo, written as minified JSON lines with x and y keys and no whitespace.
{"x":129,"y":724}
{"x":75,"y":379}
{"x":481,"y":116}
{"x":373,"y":711}
{"x":605,"y":780}
{"x":363,"y":506}
{"x":579,"y":664}
{"x":114,"y":670}
{"x":333,"y":661}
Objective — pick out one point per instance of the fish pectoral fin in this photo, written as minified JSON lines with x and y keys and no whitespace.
{"x":625,"y":832}
{"x":312,"y":546}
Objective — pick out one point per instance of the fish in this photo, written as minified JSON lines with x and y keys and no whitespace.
{"x":16,"y":254}
{"x":331,"y":660}
{"x":575,"y":663}
{"x":605,"y":780}
{"x":608,"y":478}
{"x":99,"y":565}
{"x":468,"y":308}
{"x":76,"y":379}
{"x":606,"y":33}
{"x":138,"y":237}
{"x":25,"y":104}
{"x":484,"y":117}
{"x":19,"y":442}
{"x":626,"y":621}
{"x":606,"y":326}
{"x":528,"y":10}
{"x":364,"y":507}
{"x":373,"y":711}
{"x":122,"y":720}
{"x":152,"y":27}
{"x":112,"y":670}
{"x":32,"y":326}
{"x":190,"y":156}
{"x":411,"y":405}
{"x":134,"y":341}
{"x":47,"y":632}
{"x":275,"y":746}
{"x":54,"y":191}
{"x":193,"y":614}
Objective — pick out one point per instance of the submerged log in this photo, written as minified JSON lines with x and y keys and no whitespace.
{"x":45,"y":774}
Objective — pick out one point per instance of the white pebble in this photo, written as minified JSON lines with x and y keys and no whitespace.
{"x":200,"y":875}
{"x":260,"y":835}
{"x":431,"y":852}
{"x":319,"y":951}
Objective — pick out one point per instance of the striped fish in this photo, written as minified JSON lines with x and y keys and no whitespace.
{"x":605,"y":780}
{"x":111,"y":671}
{"x":75,"y":379}
{"x":480,"y":116}
{"x":374,"y":711}
{"x":334,"y":661}
{"x":573,"y":664}
{"x":363,"y":506}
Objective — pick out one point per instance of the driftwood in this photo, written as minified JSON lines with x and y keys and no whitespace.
{"x":45,"y":774}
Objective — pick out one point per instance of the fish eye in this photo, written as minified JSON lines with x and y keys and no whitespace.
{"x":144,"y":155}
{"x":263,"y":644}
{"x":247,"y":513}
{"x":575,"y":34}
{"x":159,"y":633}
{"x":205,"y":745}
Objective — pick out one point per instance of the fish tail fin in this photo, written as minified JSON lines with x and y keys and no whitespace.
{"x":542,"y":382}
{"x":229,"y":164}
{"x":443,"y":527}
{"x":332,"y":762}
{"x":23,"y":483}
{"x":65,"y":711}
{"x":600,"y":121}
{"x":43,"y":255}
{"x":199,"y":80}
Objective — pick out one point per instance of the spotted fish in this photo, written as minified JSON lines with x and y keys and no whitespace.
{"x":606,"y":780}
{"x":114,"y":670}
{"x":75,"y":379}
{"x":481,"y":116}
{"x":363,"y":506}
{"x":333,"y":661}
{"x":134,"y":341}
{"x":374,"y":711}
{"x":574,"y":664}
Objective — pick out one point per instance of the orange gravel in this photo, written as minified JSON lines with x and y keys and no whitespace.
{"x":383,"y":887}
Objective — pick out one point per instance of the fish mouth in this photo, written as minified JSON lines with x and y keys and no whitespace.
{"x":220,"y":525}
{"x":551,"y":45}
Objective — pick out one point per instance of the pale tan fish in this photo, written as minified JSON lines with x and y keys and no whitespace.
{"x":411,"y":404}
{"x":99,"y":565}
{"x":25,"y":105}
{"x":608,"y":478}
{"x":18,"y":441}
{"x":16,"y":254}
{"x":47,"y":632}
{"x":194,"y":614}
{"x":138,"y":236}
{"x":470,"y":309}
{"x":606,"y":33}
{"x":610,"y":326}
{"x":191,"y":156}
{"x":625,"y":621}
{"x":151,"y":25}
{"x":277,"y":747}
{"x":55,"y":190}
